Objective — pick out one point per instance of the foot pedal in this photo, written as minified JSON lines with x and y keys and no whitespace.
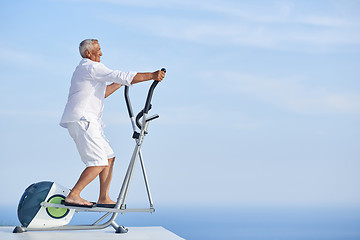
{"x":76,"y":205}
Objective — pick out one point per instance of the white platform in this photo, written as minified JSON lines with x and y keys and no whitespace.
{"x":135,"y":233}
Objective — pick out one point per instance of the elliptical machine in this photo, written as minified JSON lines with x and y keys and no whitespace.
{"x":41,"y":209}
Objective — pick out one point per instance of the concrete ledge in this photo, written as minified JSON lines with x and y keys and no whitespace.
{"x":135,"y":233}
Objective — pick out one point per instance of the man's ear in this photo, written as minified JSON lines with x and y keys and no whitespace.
{"x":87,"y":53}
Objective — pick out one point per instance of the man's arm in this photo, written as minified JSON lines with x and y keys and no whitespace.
{"x":111,"y":88}
{"x":141,"y":77}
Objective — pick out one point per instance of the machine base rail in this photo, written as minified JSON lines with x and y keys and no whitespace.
{"x":98,"y":209}
{"x":21,"y":229}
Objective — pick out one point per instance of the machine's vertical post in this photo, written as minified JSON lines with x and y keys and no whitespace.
{"x":125,"y":186}
{"x":146,"y":180}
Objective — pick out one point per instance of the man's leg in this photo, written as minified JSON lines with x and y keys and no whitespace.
{"x":105,"y":179}
{"x":88,"y":175}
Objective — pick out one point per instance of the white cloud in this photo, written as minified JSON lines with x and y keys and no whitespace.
{"x":291,"y":93}
{"x":187,"y":115}
{"x":275,"y":25}
{"x":325,"y":21}
{"x":206,"y":116}
{"x":35,"y":113}
{"x":13,"y":55}
{"x":28,"y":58}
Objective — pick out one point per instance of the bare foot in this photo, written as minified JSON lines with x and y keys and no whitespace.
{"x":106,"y":201}
{"x":74,"y":199}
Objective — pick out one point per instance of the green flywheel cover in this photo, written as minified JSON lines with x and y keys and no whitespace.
{"x":57,"y":212}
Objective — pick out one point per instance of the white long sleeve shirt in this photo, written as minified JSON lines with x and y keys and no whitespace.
{"x":87,"y":91}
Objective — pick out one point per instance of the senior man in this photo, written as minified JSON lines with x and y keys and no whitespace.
{"x":82,"y":118}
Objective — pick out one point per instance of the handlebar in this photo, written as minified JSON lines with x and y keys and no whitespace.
{"x":147,"y":106}
{"x":127,"y":100}
{"x":149,"y":97}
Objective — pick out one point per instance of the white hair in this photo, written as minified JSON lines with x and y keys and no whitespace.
{"x":86,"y":44}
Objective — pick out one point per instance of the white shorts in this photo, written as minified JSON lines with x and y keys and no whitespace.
{"x":94,"y":148}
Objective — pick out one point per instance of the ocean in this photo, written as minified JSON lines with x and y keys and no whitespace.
{"x":228,"y":223}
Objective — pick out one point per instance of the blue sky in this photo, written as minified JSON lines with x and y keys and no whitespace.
{"x":261,"y":103}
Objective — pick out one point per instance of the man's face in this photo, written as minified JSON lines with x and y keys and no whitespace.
{"x":95,"y":53}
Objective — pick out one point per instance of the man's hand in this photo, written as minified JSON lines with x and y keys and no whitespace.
{"x":158,"y":75}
